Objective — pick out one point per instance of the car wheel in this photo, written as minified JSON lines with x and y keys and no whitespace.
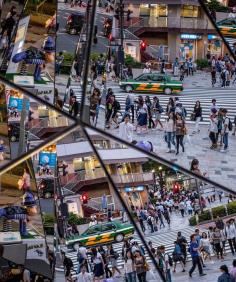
{"x":72,"y":31}
{"x":128,"y":88}
{"x":119,"y":238}
{"x":76,"y":246}
{"x":168,"y":91}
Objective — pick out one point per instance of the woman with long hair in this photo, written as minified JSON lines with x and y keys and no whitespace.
{"x":130,"y":272}
{"x":140,"y":266}
{"x":158,"y":110}
{"x":113,"y":256}
{"x":170,"y":130}
{"x":197,"y":115}
{"x":148,"y":102}
{"x":205,"y":246}
{"x":180,"y":132}
{"x":142,"y":112}
{"x":170,"y":106}
{"x":98,"y":264}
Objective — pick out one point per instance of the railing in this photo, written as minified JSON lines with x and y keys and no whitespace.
{"x":170,"y":22}
{"x":46,"y":122}
{"x":97,"y":203}
{"x":69,"y":181}
{"x":132,"y":177}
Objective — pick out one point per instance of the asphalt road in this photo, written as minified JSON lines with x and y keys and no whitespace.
{"x":67,"y":42}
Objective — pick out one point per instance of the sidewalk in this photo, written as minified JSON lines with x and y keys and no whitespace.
{"x":200,"y":79}
{"x":215,"y":163}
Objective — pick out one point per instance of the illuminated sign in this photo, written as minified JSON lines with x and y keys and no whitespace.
{"x":211,"y":36}
{"x":134,"y":189}
{"x":190,"y":36}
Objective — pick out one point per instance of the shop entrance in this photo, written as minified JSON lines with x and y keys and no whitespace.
{"x":187,"y":50}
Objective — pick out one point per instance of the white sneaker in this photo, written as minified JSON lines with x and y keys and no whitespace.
{"x":222,"y":150}
{"x":169,"y":151}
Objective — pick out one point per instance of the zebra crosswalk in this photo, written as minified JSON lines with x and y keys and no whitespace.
{"x":225,"y":98}
{"x":158,"y":238}
{"x":231,"y":41}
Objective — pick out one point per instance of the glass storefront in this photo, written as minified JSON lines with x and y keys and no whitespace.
{"x":214,"y":45}
{"x":187,"y":49}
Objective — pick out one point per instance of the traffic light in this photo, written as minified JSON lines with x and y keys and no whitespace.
{"x":176,"y":188}
{"x":95,"y":39}
{"x":143,"y":45}
{"x":84,"y":198}
{"x":128,"y":15}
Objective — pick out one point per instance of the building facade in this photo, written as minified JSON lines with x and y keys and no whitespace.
{"x":182,"y":26}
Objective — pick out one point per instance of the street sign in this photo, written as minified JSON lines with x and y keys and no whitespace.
{"x":10,"y":237}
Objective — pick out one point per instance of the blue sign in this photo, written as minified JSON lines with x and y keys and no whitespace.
{"x":133,"y":189}
{"x":190,"y":36}
{"x":15,"y":102}
{"x":211,"y":36}
{"x":47,"y":158}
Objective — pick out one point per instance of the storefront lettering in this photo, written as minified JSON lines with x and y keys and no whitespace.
{"x":36,"y":246}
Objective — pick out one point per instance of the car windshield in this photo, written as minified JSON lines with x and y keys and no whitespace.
{"x":230,"y":22}
{"x":93,"y":230}
{"x":108,"y":227}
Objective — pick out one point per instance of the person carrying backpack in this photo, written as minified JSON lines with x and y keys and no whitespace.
{"x":227,"y":126}
{"x":167,"y":263}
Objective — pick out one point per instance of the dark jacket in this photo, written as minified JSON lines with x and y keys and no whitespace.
{"x":74,"y":109}
{"x":197,"y":111}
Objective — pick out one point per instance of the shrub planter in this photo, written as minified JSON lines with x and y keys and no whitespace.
{"x":219,"y":211}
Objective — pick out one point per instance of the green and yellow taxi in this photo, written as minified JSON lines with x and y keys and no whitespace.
{"x":227,"y":27}
{"x":152,"y":83}
{"x":103,"y":233}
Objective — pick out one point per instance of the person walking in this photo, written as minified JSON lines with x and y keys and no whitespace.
{"x":129,"y":105}
{"x":180,"y":132}
{"x":142,"y":115}
{"x":233,"y":270}
{"x":225,"y":276}
{"x":113,"y":256}
{"x":84,"y":276}
{"x":230,"y":232}
{"x":141,"y":266}
{"x":183,"y":245}
{"x":129,"y":267}
{"x":74,"y":107}
{"x":148,"y":102}
{"x":126,"y":129}
{"x":194,"y":251}
{"x":225,"y":130}
{"x":170,"y":131}
{"x":205,"y":246}
{"x":157,"y":111}
{"x":197,"y":116}
{"x":217,"y":241}
{"x":213,"y":129}
{"x":98,"y":264}
{"x":213,"y":76}
{"x":178,"y":256}
{"x":68,"y":265}
{"x":166,"y":263}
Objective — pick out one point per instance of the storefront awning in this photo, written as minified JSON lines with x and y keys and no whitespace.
{"x":121,"y":155}
{"x":15,"y":253}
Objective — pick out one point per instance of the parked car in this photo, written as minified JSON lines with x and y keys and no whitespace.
{"x":74,"y":23}
{"x":103,"y":233}
{"x":152,"y":83}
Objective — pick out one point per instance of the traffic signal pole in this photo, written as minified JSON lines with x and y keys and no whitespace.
{"x":121,"y":57}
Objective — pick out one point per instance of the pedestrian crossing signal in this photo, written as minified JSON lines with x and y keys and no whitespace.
{"x":143,"y":45}
{"x":84,"y":199}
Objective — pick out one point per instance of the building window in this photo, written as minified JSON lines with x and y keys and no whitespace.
{"x":144,"y":10}
{"x":189,"y":11}
{"x":158,"y":10}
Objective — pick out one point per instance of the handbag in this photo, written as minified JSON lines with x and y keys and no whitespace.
{"x":146,"y":266}
{"x":193,"y":117}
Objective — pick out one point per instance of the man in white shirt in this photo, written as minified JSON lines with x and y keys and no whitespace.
{"x":84,"y":276}
{"x":126,"y":130}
